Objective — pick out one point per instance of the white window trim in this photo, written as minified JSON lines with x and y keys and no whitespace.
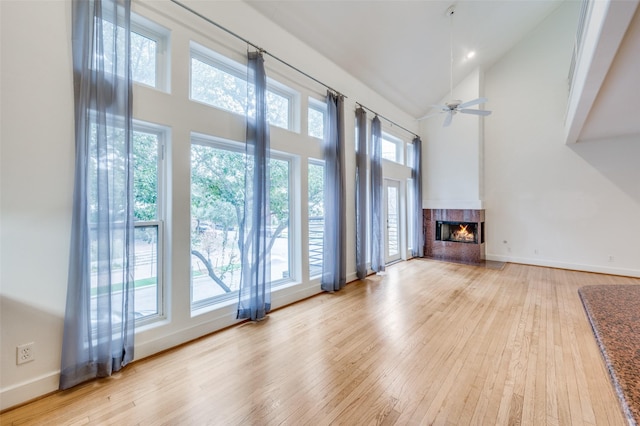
{"x":163,"y":134}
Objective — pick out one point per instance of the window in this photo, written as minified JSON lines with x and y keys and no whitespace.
{"x":316,"y":216}
{"x":392,"y":149}
{"x":222,"y":83}
{"x":148,"y":149}
{"x":315,"y":118}
{"x":149,"y":53}
{"x":217,"y":205}
{"x":148,"y":212}
{"x":149,"y":44}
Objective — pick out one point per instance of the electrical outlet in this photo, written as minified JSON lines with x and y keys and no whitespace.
{"x":611,"y":258}
{"x":25,"y":353}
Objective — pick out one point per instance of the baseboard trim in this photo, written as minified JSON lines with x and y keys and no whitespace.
{"x":625,"y":272}
{"x":31,"y":390}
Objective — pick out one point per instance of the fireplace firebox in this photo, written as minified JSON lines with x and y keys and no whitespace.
{"x":452,"y":234}
{"x":459,"y":232}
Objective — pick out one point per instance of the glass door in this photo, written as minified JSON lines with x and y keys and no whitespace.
{"x":392,"y":218}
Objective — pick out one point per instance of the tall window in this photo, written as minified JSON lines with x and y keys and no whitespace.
{"x":222,"y":83}
{"x":217,"y":203}
{"x":148,"y":149}
{"x":148,"y":212}
{"x":316,"y":216}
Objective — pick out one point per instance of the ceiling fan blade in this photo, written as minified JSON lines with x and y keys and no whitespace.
{"x":447,"y":119}
{"x":473,"y":102}
{"x":475,"y":111}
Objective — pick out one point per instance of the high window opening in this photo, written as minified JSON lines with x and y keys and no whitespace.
{"x":220,"y":82}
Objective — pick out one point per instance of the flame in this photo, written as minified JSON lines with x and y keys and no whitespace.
{"x":462,"y":234}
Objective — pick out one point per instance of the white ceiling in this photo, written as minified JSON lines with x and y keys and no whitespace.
{"x":401,"y":49}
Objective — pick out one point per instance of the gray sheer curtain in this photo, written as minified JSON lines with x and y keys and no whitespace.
{"x":416,"y":215}
{"x":334,"y":266}
{"x":377,"y":199}
{"x":99,"y":318}
{"x":361,"y":194}
{"x":255,"y":281}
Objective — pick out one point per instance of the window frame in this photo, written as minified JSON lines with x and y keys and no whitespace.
{"x":163,"y":134}
{"x":220,"y":300}
{"x":162,"y":36}
{"x":400,"y":148}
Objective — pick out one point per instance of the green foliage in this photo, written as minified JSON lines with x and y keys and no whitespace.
{"x":145,"y":176}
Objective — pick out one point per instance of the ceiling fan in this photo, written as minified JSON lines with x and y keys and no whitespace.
{"x":455,"y":106}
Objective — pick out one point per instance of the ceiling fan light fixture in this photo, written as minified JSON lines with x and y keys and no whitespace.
{"x":454,"y":106}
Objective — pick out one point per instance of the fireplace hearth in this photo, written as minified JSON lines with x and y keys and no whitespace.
{"x":454,"y":234}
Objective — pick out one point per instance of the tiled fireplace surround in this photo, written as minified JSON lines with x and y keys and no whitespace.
{"x":472,"y":252}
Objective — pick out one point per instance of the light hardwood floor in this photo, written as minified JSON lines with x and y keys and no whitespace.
{"x":428,"y":343}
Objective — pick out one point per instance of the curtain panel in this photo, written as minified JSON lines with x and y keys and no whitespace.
{"x":255,"y":281}
{"x":377,"y":199}
{"x":361,"y":194}
{"x":334,"y":265}
{"x":417,"y":241}
{"x":99,"y":319}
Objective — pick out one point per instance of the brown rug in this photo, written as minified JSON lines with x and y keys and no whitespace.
{"x":614,"y":313}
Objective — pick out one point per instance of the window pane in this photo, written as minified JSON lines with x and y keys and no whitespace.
{"x":143,"y":54}
{"x":143,"y":59}
{"x":145,"y":176}
{"x":389,"y":150}
{"x":218,"y":88}
{"x":316,"y":218}
{"x":146,"y":270}
{"x":316,"y":123}
{"x":217,"y":206}
{"x":392,"y":221}
{"x":277,"y":110}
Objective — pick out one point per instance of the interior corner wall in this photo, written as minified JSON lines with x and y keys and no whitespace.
{"x":548,"y":203}
{"x":452,"y":155}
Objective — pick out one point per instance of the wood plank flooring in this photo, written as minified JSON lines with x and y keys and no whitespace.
{"x":428,"y":343}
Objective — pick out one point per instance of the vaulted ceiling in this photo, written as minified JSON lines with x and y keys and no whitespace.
{"x":402,"y":49}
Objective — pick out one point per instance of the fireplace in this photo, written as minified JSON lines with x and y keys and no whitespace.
{"x":454,"y":234}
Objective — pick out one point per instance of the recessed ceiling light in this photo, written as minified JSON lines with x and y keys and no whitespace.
{"x":471,"y":54}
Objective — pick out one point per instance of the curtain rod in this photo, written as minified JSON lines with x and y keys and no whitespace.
{"x":228,"y":31}
{"x":390,"y":121}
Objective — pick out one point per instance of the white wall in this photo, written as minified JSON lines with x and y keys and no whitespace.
{"x":37,"y":161}
{"x":548,"y":203}
{"x":453,"y":155}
